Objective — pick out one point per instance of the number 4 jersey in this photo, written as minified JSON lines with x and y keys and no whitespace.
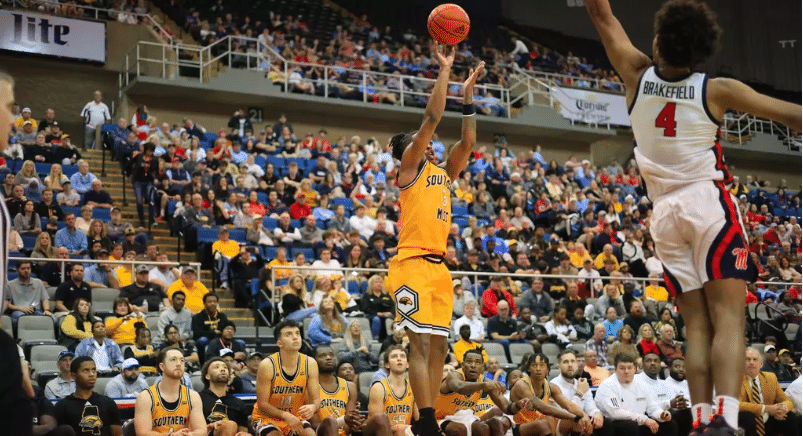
{"x":677,"y":136}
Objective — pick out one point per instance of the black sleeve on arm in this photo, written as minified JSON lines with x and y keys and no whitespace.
{"x":112,"y":411}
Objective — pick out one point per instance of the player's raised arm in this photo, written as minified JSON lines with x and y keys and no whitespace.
{"x":724,"y":94}
{"x":458,"y":155}
{"x":628,"y":61}
{"x":432,"y":116}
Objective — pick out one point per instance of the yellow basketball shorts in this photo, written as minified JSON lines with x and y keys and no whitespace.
{"x":423,"y":293}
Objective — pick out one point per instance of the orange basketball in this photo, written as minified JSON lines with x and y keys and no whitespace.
{"x":448,"y":24}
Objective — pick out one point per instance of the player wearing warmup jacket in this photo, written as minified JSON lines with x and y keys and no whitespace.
{"x":699,"y":238}
{"x":533,"y":385}
{"x":339,"y":414}
{"x":421,"y":283}
{"x":288,"y":393}
{"x":168,"y":406}
{"x":392,"y":396}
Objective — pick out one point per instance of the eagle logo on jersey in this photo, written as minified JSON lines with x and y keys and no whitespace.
{"x":219,"y":413}
{"x":408,"y":301}
{"x":405,"y":301}
{"x":90,"y":420}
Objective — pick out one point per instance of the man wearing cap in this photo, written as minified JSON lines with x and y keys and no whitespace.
{"x":143,"y":294}
{"x":26,"y":117}
{"x":101,"y":275}
{"x":26,"y":135}
{"x":300,"y":209}
{"x":223,"y":250}
{"x":130,"y":243}
{"x":94,"y":113}
{"x":771,"y":364}
{"x":226,"y":340}
{"x":249,"y":378}
{"x":53,"y":136}
{"x":179,"y":177}
{"x":63,"y":385}
{"x":97,"y":197}
{"x":785,"y":357}
{"x":128,"y":383}
{"x":192,"y":288}
{"x":116,"y":227}
{"x":67,"y":196}
{"x":493,"y":295}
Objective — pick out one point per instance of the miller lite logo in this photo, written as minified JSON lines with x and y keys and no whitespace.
{"x":30,"y":31}
{"x":741,"y":255}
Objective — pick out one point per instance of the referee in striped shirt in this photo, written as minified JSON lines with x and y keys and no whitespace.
{"x":16,"y":413}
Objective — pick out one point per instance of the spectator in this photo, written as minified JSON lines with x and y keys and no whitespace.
{"x":763,"y":406}
{"x":378,"y":307}
{"x":71,"y":290}
{"x":285,"y":232}
{"x":101,"y":275}
{"x":398,"y":337}
{"x":208,"y":323}
{"x":328,"y":325}
{"x":494,"y":295}
{"x":26,"y":295}
{"x":470,"y":319}
{"x":300,"y":209}
{"x":71,"y":238}
{"x":83,"y":222}
{"x":310,"y":233}
{"x":67,"y":196}
{"x":102,"y":415}
{"x":226,"y":340}
{"x":617,"y":399}
{"x":105,"y":351}
{"x":465,"y":343}
{"x":188,"y":349}
{"x":223,"y":411}
{"x":636,"y":318}
{"x":459,"y":298}
{"x":142,"y":350}
{"x":120,"y":327}
{"x":539,"y":302}
{"x":669,"y":349}
{"x":771,"y":364}
{"x":502,"y":329}
{"x":666,"y":318}
{"x":47,"y":207}
{"x":124,"y":272}
{"x":27,"y":222}
{"x":51,"y":272}
{"x":224,"y":249}
{"x":163,"y":275}
{"x":649,"y":380}
{"x":94,"y":113}
{"x":131,"y":243}
{"x":97,"y":197}
{"x":249,"y":378}
{"x":129,"y":383}
{"x":63,"y":385}
{"x":597,"y":372}
{"x":646,"y":342}
{"x":624,"y":343}
{"x":577,"y":390}
{"x":193,"y":289}
{"x":583,"y":327}
{"x":82,"y":180}
{"x":176,"y":315}
{"x":361,"y":222}
{"x":560,"y":327}
{"x":327,"y":267}
{"x":244,"y":269}
{"x":356,"y":351}
{"x":280,"y":260}
{"x":245,"y":217}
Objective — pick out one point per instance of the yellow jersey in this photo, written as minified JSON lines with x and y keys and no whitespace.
{"x":287,"y":391}
{"x":656,"y":293}
{"x":195,"y":295}
{"x":449,"y":404}
{"x":399,"y":408}
{"x":170,"y":420}
{"x":524,"y":416}
{"x":280,"y":273}
{"x":484,"y":404}
{"x":425,"y":216}
{"x":229,"y":248}
{"x":124,"y":277}
{"x":137,"y":353}
{"x":334,"y":403}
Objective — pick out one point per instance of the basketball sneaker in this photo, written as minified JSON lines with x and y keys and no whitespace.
{"x":718,"y":427}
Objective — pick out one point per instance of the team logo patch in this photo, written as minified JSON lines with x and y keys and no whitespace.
{"x":406,"y":301}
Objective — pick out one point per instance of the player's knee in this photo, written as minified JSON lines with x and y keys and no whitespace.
{"x":226,"y":428}
{"x":479,"y":428}
{"x":455,"y":429}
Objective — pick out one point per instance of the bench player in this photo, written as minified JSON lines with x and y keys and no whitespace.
{"x":392,"y":396}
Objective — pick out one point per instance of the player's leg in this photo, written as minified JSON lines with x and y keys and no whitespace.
{"x":539,"y":427}
{"x":726,"y":303}
{"x":420,"y":381}
{"x":438,"y":349}
{"x":694,"y":309}
{"x":377,"y":425}
{"x":225,"y":428}
{"x":451,"y":428}
{"x":479,"y":428}
{"x":327,"y":427}
{"x":308,"y":431}
{"x":498,"y":425}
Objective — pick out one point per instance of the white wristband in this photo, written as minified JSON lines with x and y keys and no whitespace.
{"x":763,"y":408}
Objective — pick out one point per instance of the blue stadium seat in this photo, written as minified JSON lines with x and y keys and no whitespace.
{"x":238,"y":235}
{"x":43,"y":168}
{"x":29,"y":242}
{"x":277,"y":161}
{"x":262,"y":197}
{"x":12,"y":276}
{"x":301,"y":162}
{"x":346,"y":202}
{"x":363,"y":287}
{"x":108,"y":127}
{"x":102,"y":214}
{"x":269,"y":223}
{"x":209,"y":136}
{"x":309,"y":253}
{"x":354,"y":288}
{"x":310,"y":285}
{"x":207,"y":235}
{"x":269,"y":253}
{"x":460,"y":221}
{"x":320,"y":224}
{"x":311,"y":163}
{"x":297,"y":223}
{"x":71,"y":209}
{"x":69,"y":170}
{"x":260,"y":160}
{"x":482,"y":222}
{"x":171,"y":207}
{"x":459,"y":210}
{"x":254,"y":287}
{"x":206,"y":145}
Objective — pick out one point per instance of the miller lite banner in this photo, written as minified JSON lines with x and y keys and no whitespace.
{"x":52,"y":35}
{"x":591,"y":106}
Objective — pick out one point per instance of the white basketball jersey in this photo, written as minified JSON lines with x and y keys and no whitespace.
{"x":677,"y":137}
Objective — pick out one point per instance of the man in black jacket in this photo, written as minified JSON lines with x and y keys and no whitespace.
{"x":143,"y":293}
{"x":377,"y":306}
{"x":207,"y":324}
{"x":48,"y":207}
{"x":240,"y":122}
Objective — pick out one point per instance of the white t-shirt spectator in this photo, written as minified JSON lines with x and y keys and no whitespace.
{"x":95,"y":113}
{"x":477,"y":327}
{"x":364,"y":225}
{"x":521,"y":47}
{"x":794,"y":392}
{"x":330,"y":269}
{"x":166,"y":277}
{"x":568,"y":390}
{"x":676,"y":388}
{"x":592,"y":275}
{"x":660,"y":390}
{"x":630,"y":402}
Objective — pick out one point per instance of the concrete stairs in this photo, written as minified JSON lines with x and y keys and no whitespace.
{"x":159,"y":233}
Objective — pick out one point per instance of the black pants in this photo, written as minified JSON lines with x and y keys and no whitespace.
{"x":773,"y":427}
{"x":683,"y":419}
{"x":62,"y":430}
{"x":632,"y":428}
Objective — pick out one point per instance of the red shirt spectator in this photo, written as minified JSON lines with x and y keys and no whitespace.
{"x":759,"y":247}
{"x":771,"y":235}
{"x":299,"y":209}
{"x":750,"y":298}
{"x":491,"y":297}
{"x":541,"y":206}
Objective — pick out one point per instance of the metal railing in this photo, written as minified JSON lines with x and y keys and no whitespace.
{"x":555,"y":79}
{"x":131,"y":263}
{"x":741,"y":128}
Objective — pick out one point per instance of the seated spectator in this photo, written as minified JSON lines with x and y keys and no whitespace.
{"x":101,"y":275}
{"x":773,"y":365}
{"x":63,"y":385}
{"x":666,"y":318}
{"x":378,"y":307}
{"x":68,"y":196}
{"x":471,"y":319}
{"x":494,"y":295}
{"x":503,"y":329}
{"x":70,"y":237}
{"x":361,"y":222}
{"x":27,"y":222}
{"x":611,"y":299}
{"x":51,"y":273}
{"x":131,"y":243}
{"x":224,"y":249}
{"x":670,"y":349}
{"x":98,"y":346}
{"x":357,"y":352}
{"x":244,"y":219}
{"x":129,"y":383}
{"x":772,"y":405}
{"x":257,"y":234}
{"x":121,"y":326}
{"x":296,"y":304}
{"x":285,"y":232}
{"x":560,"y":327}
{"x":176,"y":315}
{"x":624,"y":343}
{"x":654,"y":295}
{"x":599,"y":344}
{"x":494,"y":372}
{"x":82,"y":180}
{"x":208,"y":323}
{"x":97,"y":197}
{"x":97,"y":233}
{"x":583,"y":327}
{"x":244,"y":268}
{"x":83,"y":222}
{"x":226,"y":340}
{"x":465,"y":343}
{"x":636,"y":318}
{"x":647,"y":343}
{"x":174,"y":341}
{"x":193,"y":289}
{"x":125,"y":272}
{"x":310,"y":233}
{"x":26,"y":295}
{"x":142,"y":350}
{"x":328,"y":325}
{"x":540,"y":303}
{"x":71,"y":290}
{"x":300,"y":209}
{"x":459,"y":298}
{"x":48,"y":207}
{"x":249,"y":378}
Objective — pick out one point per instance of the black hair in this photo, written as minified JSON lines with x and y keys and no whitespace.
{"x":170,"y":326}
{"x":399,"y":143}
{"x":139,"y":327}
{"x":227,"y":324}
{"x":206,"y":366}
{"x":210,"y":294}
{"x":477,"y":351}
{"x":319,"y":348}
{"x":687,"y":32}
{"x":624,"y":356}
{"x":277,"y":331}
{"x":76,"y":363}
{"x":528,"y":362}
{"x":178,"y":293}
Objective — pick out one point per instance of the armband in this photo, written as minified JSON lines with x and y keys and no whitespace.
{"x":468,"y":110}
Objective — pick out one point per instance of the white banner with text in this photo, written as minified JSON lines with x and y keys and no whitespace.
{"x":591,"y":106}
{"x":50,"y":35}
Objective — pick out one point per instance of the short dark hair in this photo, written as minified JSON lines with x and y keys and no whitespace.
{"x":319,"y":348}
{"x":178,"y":293}
{"x":76,"y":363}
{"x":399,"y":143}
{"x":566,"y":351}
{"x":210,"y":294}
{"x":477,"y":351}
{"x":531,"y":359}
{"x":624,"y":356}
{"x":687,"y":32}
{"x":227,"y":324}
{"x":287,"y":323}
{"x":386,"y":356}
{"x":206,"y":366}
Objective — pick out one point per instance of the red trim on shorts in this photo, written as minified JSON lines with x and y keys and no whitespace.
{"x":732,"y":218}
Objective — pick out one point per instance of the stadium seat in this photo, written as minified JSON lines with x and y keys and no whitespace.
{"x":460,"y":210}
{"x":38,"y":328}
{"x":69,"y":170}
{"x":345,"y":202}
{"x":791,"y":331}
{"x":197,"y":382}
{"x":210,"y":137}
{"x":365,"y":381}
{"x":309,"y":253}
{"x":553,"y":373}
{"x":44,"y":358}
{"x":269,"y":223}
{"x":75,"y":210}
{"x":517,"y":352}
{"x":262,"y":197}
{"x":103,"y":300}
{"x":152,"y":320}
{"x":8,"y":327}
{"x":496,"y":351}
{"x":277,"y":162}
{"x":238,"y":235}
{"x":269,"y":253}
{"x":102,"y":214}
{"x":29,"y":242}
{"x":43,"y":168}
{"x":100,"y":385}
{"x":260,"y":160}
{"x":353,"y":288}
{"x":207,"y":235}
{"x":579,"y":347}
{"x":460,"y":221}
{"x":551,"y":351}
{"x":296,"y":223}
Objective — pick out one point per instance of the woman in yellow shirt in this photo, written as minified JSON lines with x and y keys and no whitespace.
{"x":77,"y":325}
{"x":578,"y":255}
{"x":124,"y":276}
{"x":121,"y":327}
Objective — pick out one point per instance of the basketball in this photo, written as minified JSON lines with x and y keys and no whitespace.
{"x":448,"y":24}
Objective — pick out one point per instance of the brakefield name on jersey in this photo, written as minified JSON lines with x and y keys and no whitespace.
{"x":166,"y":421}
{"x":334,"y":403}
{"x":398,"y":408}
{"x":281,"y":390}
{"x":668,"y":91}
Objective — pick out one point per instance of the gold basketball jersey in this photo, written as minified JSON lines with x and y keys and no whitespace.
{"x":287,"y":390}
{"x":334,"y":403}
{"x":167,"y":420}
{"x":524,"y":415}
{"x":425,"y":216}
{"x":449,"y":404}
{"x":399,"y":408}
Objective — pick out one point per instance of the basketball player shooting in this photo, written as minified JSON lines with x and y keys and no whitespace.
{"x":699,"y":238}
{"x":421,"y":283}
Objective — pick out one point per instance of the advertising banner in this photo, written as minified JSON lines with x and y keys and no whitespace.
{"x":52,"y":35}
{"x":591,"y":106}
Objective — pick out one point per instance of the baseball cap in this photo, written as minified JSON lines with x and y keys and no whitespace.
{"x":142,"y":268}
{"x":256,"y":354}
{"x":130,"y":363}
{"x":103,"y":251}
{"x":767,"y":348}
{"x":585,"y":161}
{"x":54,"y":123}
{"x":130,"y":231}
{"x":554,"y":241}
{"x":27,"y":123}
{"x":301,"y":194}
{"x":457,"y":282}
{"x":226,"y":352}
{"x":65,"y":353}
{"x":187,"y":269}
{"x":27,"y":109}
{"x":65,"y":182}
{"x":783,"y":350}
